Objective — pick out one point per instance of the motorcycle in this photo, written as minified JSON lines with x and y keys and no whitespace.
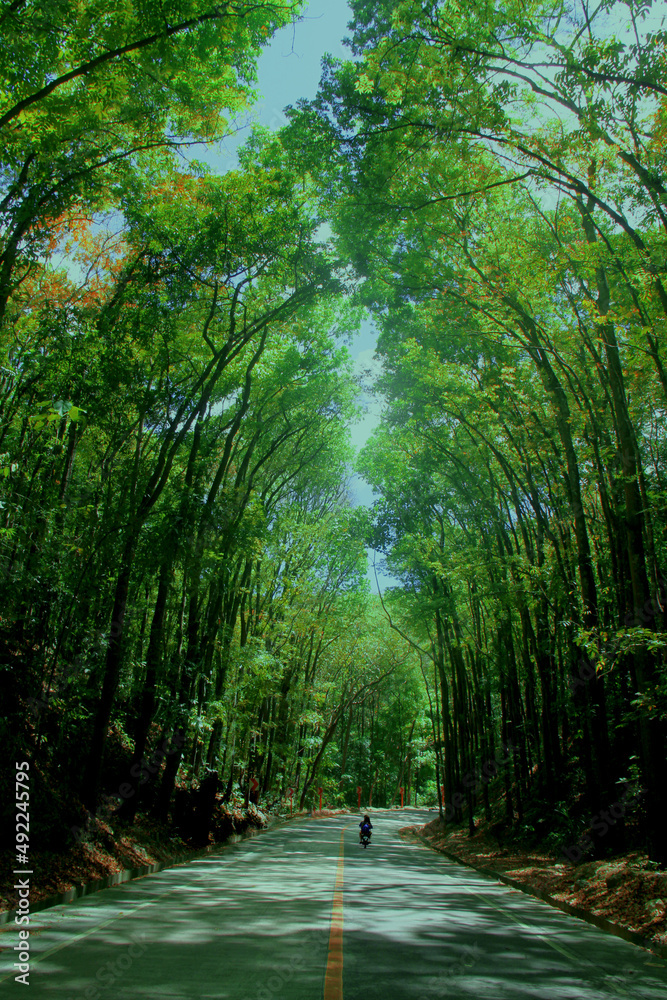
{"x":365,"y":836}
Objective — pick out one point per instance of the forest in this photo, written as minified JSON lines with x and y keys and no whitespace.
{"x":185,"y":606}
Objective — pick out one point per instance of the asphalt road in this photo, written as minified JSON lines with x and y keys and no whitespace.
{"x":302,"y":912}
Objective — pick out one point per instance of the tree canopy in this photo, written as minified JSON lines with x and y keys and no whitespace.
{"x":495,"y":174}
{"x":182,"y":563}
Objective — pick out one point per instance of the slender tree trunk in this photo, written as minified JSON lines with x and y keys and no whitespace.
{"x":92,"y":774}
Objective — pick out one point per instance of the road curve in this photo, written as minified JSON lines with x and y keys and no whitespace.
{"x":303,"y":912}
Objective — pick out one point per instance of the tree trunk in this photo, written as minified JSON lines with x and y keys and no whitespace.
{"x":91,"y":779}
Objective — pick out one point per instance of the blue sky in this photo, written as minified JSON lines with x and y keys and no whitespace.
{"x":289,"y":69}
{"x":290,"y":66}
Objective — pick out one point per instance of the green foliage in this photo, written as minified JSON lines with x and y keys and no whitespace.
{"x":496,"y":179}
{"x":179,"y":555}
{"x":177,"y":549}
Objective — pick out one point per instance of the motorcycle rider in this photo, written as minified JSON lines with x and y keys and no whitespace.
{"x":365,"y":827}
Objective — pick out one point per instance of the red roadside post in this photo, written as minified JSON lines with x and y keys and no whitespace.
{"x":401,"y":796}
{"x":359,"y":796}
{"x":290,"y":792}
{"x":320,"y":800}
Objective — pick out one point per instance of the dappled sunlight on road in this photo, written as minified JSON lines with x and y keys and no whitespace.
{"x":252,"y":923}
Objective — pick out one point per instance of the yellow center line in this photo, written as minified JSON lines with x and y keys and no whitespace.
{"x":333,"y":979}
